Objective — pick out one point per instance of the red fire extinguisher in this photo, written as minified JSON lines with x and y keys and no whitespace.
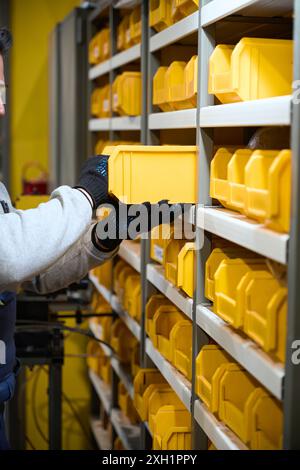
{"x":34,"y":186}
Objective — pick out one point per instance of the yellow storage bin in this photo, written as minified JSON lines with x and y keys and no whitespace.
{"x":105,"y":44}
{"x":185,"y":274}
{"x":126,"y":404}
{"x":105,"y":112}
{"x":159,"y":237}
{"x":254,"y":69}
{"x":238,"y":394}
{"x":264,"y":306}
{"x":145,"y":382}
{"x":210,"y":365}
{"x":99,"y":304}
{"x":160,"y":14}
{"x":95,"y":49}
{"x":163,"y":323}
{"x":160,"y":92}
{"x":132,"y":296}
{"x":172,"y":430}
{"x":266,"y":424}
{"x":118,"y":445}
{"x":236,"y":179}
{"x":120,"y":284}
{"x":96,"y":98}
{"x":191,"y":81}
{"x":120,"y":265}
{"x":106,"y":324}
{"x":98,"y":362}
{"x":155,"y":302}
{"x":219,"y":188}
{"x":172,"y":250}
{"x":214,"y":261}
{"x":122,"y":341}
{"x":181,"y":347}
{"x":175,"y":85}
{"x":104,"y":274}
{"x":183,"y":8}
{"x":127,"y":94}
{"x":135,"y":25}
{"x":123,"y":34}
{"x":135,"y":360}
{"x":162,"y":397}
{"x":230,"y":282}
{"x":132,"y":170}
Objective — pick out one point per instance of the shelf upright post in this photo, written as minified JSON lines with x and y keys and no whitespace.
{"x":292,"y":366}
{"x":206,"y":43}
{"x":113,"y":26}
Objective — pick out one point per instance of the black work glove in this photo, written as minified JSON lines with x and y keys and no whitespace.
{"x":124,"y":222}
{"x":94,"y":179}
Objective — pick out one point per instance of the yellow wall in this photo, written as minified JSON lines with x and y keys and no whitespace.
{"x":31,"y":23}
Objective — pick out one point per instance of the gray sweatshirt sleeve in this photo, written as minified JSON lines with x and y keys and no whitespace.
{"x":32,"y":241}
{"x":72,"y":267}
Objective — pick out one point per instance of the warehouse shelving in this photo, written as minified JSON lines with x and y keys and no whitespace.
{"x":174,"y":33}
{"x":281,"y":381}
{"x":102,"y":389}
{"x":100,"y":288}
{"x":245,"y":232}
{"x":243,"y":350}
{"x":118,"y":60}
{"x":100,"y":434}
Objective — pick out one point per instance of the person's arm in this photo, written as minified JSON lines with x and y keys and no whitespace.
{"x":72,"y":267}
{"x":33,"y":240}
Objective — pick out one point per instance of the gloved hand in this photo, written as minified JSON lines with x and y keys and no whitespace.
{"x":94,"y":179}
{"x":128,"y":222}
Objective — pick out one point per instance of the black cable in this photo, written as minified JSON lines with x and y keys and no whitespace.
{"x":29,"y":442}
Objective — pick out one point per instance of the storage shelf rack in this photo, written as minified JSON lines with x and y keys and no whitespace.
{"x":282,"y":381}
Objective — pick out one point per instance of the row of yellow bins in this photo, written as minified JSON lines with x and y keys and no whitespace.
{"x":164,"y":13}
{"x":100,"y":47}
{"x":127,"y":285}
{"x":129,"y":32}
{"x":127,"y":94}
{"x":98,"y":362}
{"x":176,"y":256}
{"x":175,"y":87}
{"x":238,"y":400}
{"x":249,"y":293}
{"x":253,"y":69}
{"x":168,"y":419}
{"x":257,"y":184}
{"x":170,"y":332}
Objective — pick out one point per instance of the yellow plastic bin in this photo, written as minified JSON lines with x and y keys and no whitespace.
{"x":105,"y":102}
{"x":172,"y":430}
{"x":122,"y":341}
{"x":123,"y":34}
{"x":266,"y":424}
{"x":159,"y":237}
{"x":135,"y":25}
{"x":104,"y":274}
{"x":160,"y":14}
{"x":163,"y":323}
{"x":238,"y":394}
{"x":105,"y":44}
{"x":118,"y":444}
{"x":264,"y":305}
{"x":219,"y":187}
{"x":211,"y":363}
{"x":236,"y":179}
{"x":120,"y":265}
{"x":183,"y":8}
{"x":126,"y":404}
{"x":254,"y":69}
{"x":191,"y":81}
{"x":106,"y":324}
{"x":185,"y":274}
{"x":181,"y":347}
{"x":175,"y":82}
{"x":96,"y":102}
{"x":132,"y":170}
{"x":214,"y":261}
{"x":160,"y":92}
{"x":127,"y":94}
{"x":135,"y":360}
{"x":155,"y":302}
{"x":95,"y":49}
{"x":171,"y":253}
{"x":132,"y":297}
{"x":145,"y":382}
{"x":162,"y":397}
{"x":123,"y":276}
{"x":94,"y":354}
{"x":230,"y":280}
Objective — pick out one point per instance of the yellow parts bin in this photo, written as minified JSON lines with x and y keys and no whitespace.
{"x":236,"y":179}
{"x":266,"y":424}
{"x":99,"y":47}
{"x":126,"y":404}
{"x":183,"y":8}
{"x":123,"y":34}
{"x":175,"y":85}
{"x":181,"y":347}
{"x":120,"y":265}
{"x":160,"y":14}
{"x":135,"y":360}
{"x":172,"y":250}
{"x":160,"y":92}
{"x":122,"y":341}
{"x":100,"y":102}
{"x":122,"y":276}
{"x":118,"y":445}
{"x":156,"y":302}
{"x":159,"y":398}
{"x":132,"y":296}
{"x":172,"y":430}
{"x":135,"y":26}
{"x":132,"y":170}
{"x":98,"y":361}
{"x":163,"y":323}
{"x":127,"y":94}
{"x":145,"y":382}
{"x":253,"y":69}
{"x":191,"y":81}
{"x":185,"y":271}
{"x":210,"y":365}
{"x":104,"y":274}
{"x":159,"y":237}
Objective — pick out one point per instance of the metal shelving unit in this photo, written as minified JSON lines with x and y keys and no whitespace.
{"x":281,"y":381}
